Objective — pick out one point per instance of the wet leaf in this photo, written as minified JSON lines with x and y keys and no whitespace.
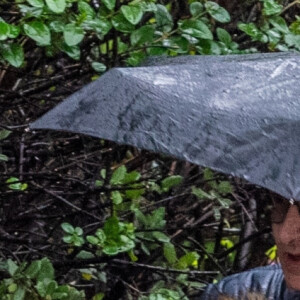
{"x":224,"y":36}
{"x":68,"y":228}
{"x":219,"y":13}
{"x":280,"y":24}
{"x":163,"y":18}
{"x":196,"y":8}
{"x":132,"y":13}
{"x":170,"y":253}
{"x":57,"y":6}
{"x":116,"y":197}
{"x":118,"y":175}
{"x":4,"y":134}
{"x":73,"y":34}
{"x":86,"y":9}
{"x":197,"y":29}
{"x":98,"y":67}
{"x":4,"y":31}
{"x":271,"y":7}
{"x":142,"y":35}
{"x":110,"y":4}
{"x":121,"y":24}
{"x":36,"y":3}
{"x":161,"y":237}
{"x":39,"y":32}
{"x":170,"y":182}
{"x":3,"y":157}
{"x":14,"y":54}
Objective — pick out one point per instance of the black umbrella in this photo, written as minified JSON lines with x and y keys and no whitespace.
{"x":236,"y":114}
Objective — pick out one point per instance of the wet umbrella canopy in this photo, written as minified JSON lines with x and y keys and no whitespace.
{"x":236,"y":114}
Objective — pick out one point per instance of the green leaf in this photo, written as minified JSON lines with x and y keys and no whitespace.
{"x":199,"y":193}
{"x":292,"y":40}
{"x":99,"y":183}
{"x":295,"y":26}
{"x":271,"y":7}
{"x":100,"y":235}
{"x":102,"y":25}
{"x":131,"y":177}
{"x":217,"y":12}
{"x":39,"y":32}
{"x":116,"y":197}
{"x":99,"y":296}
{"x":217,"y":213}
{"x":170,"y":182}
{"x":118,"y":175}
{"x":280,"y":24}
{"x":36,"y":3}
{"x":224,"y":36}
{"x":170,"y":253}
{"x":4,"y":134}
{"x":16,"y":185}
{"x":85,"y":255}
{"x":73,"y":34}
{"x":11,"y":267}
{"x":190,"y":259}
{"x":46,"y":270}
{"x":4,"y":31}
{"x":14,"y":31}
{"x":57,"y":6}
{"x":110,"y":4}
{"x":224,"y":187}
{"x":13,"y":54}
{"x":92,"y":240}
{"x":103,"y":173}
{"x":111,"y":228}
{"x":78,"y":231}
{"x":251,"y":30}
{"x":72,"y":51}
{"x":69,"y":239}
{"x":132,"y":13}
{"x":86,"y":9}
{"x":271,"y":253}
{"x":30,"y":11}
{"x":196,"y":8}
{"x":120,"y":23}
{"x":161,"y":237}
{"x":157,"y":218}
{"x":136,"y":58}
{"x":163,"y":18}
{"x":224,"y":202}
{"x":33,"y":269}
{"x":19,"y":293}
{"x":142,"y":35}
{"x":196,"y":28}
{"x":67,"y":227}
{"x":12,"y":288}
{"x":98,"y":67}
{"x":57,"y":26}
{"x":3,"y":157}
{"x":134,"y":194}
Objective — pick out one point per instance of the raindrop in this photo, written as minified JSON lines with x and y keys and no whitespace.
{"x":266,"y":121}
{"x":246,"y":177}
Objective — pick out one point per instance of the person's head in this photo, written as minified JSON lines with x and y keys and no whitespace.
{"x":286,"y":231}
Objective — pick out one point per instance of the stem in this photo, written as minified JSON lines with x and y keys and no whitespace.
{"x":290,"y":5}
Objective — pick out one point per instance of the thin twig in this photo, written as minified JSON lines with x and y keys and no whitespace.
{"x":66,"y":201}
{"x":162,"y":269}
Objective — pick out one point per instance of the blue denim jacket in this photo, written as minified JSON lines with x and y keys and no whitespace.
{"x":268,"y":281}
